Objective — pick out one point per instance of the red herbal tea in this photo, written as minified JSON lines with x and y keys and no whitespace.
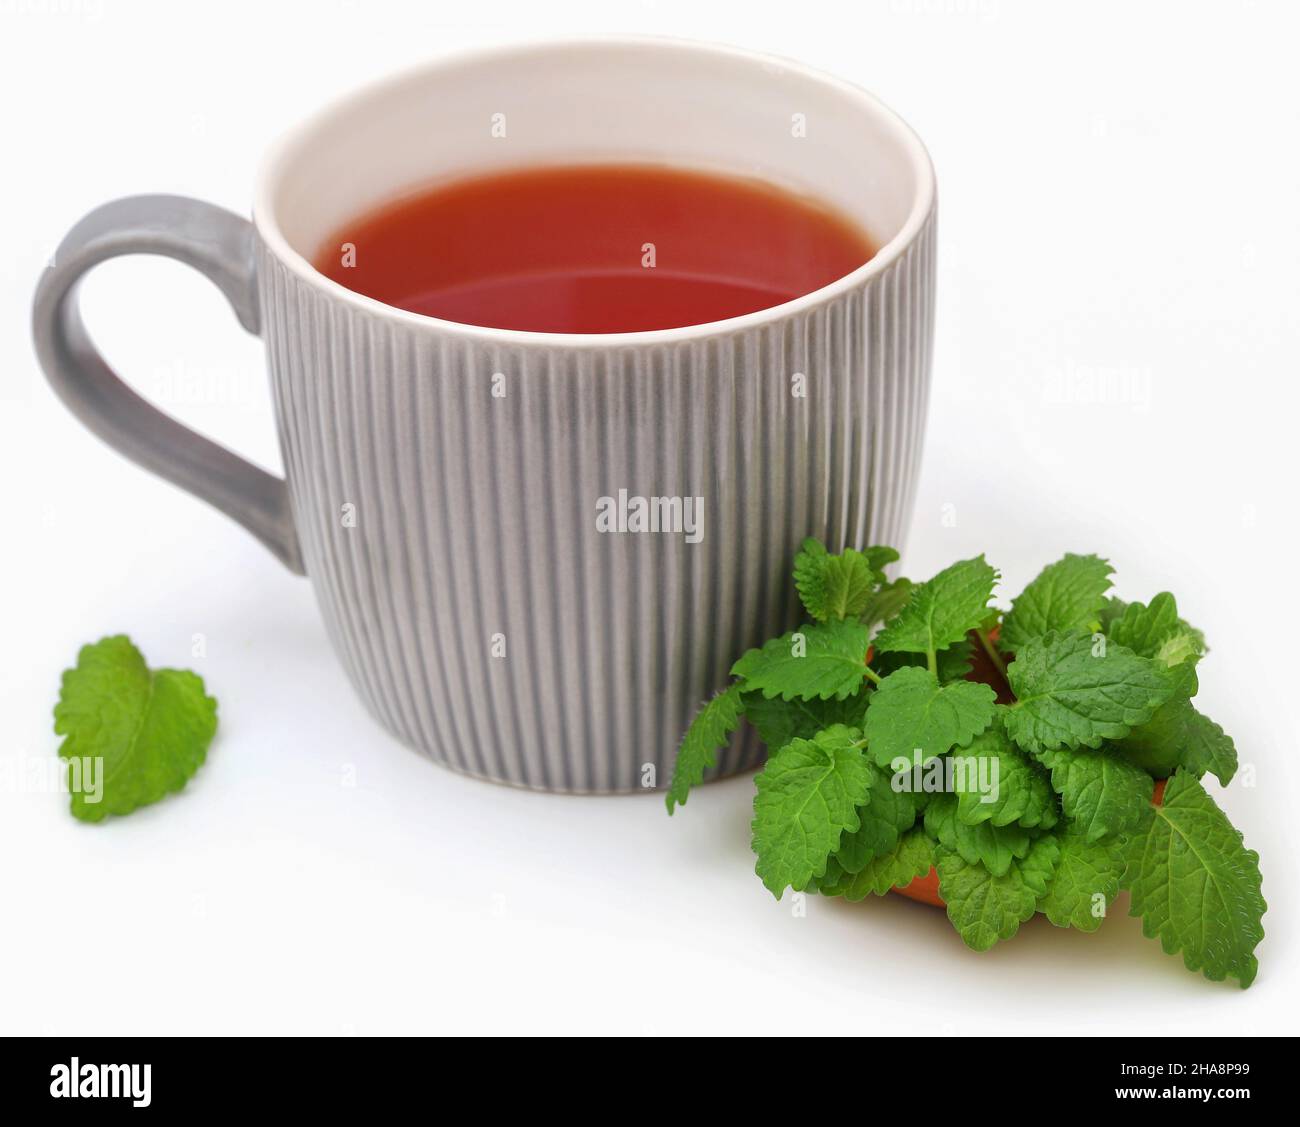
{"x":594,"y":249}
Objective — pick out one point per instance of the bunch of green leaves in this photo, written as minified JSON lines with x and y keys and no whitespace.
{"x":882,"y":739}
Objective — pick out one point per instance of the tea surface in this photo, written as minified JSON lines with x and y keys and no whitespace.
{"x":594,"y":249}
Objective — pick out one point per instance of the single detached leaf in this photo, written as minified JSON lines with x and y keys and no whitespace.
{"x":1103,"y":794}
{"x":1196,"y":885}
{"x":942,"y":610}
{"x":887,"y":814}
{"x":1066,"y":596}
{"x":1072,"y":691}
{"x":812,"y":663}
{"x":985,"y":907}
{"x":995,"y":847}
{"x":808,"y":796}
{"x":912,"y":856}
{"x":997,"y":782}
{"x":1086,"y":879}
{"x":1154,"y":630}
{"x":709,"y":731}
{"x":779,"y":721}
{"x":834,"y":587}
{"x":142,"y":733}
{"x":911,"y":712}
{"x":886,"y":601}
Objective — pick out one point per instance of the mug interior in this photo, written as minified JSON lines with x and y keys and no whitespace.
{"x":638,"y":101}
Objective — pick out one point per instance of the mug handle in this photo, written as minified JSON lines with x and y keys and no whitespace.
{"x":215,"y":242}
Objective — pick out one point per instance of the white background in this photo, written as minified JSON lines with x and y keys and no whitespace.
{"x":1119,"y":187}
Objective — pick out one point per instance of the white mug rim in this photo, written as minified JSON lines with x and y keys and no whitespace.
{"x":268,"y":227}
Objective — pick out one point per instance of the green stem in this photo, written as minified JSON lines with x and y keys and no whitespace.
{"x":994,"y":656}
{"x":932,"y":662}
{"x":872,"y":675}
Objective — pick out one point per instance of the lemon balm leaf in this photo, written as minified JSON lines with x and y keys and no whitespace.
{"x":1154,"y":630}
{"x":1067,"y":595}
{"x":999,"y":783}
{"x":709,"y":731}
{"x":1112,"y":609}
{"x":1208,"y":748}
{"x":810,"y":576}
{"x":880,"y":556}
{"x":834,"y":587}
{"x":997,"y":848}
{"x":1086,"y":879}
{"x":780,"y":721}
{"x":912,"y":856}
{"x":951,"y":664}
{"x":807,"y":796}
{"x":1158,"y":745}
{"x":820,"y":662}
{"x":1071,"y":692}
{"x":1180,"y":736}
{"x":886,"y":601}
{"x":1196,"y":885}
{"x":1102,"y":793}
{"x":986,"y":907}
{"x":847,"y":583}
{"x":142,"y":732}
{"x":942,"y":610}
{"x":887,"y":814}
{"x":911,"y":712}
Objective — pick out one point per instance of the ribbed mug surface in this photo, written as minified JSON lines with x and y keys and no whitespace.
{"x":446,"y":490}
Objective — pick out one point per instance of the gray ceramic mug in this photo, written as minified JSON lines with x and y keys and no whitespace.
{"x":454,"y":492}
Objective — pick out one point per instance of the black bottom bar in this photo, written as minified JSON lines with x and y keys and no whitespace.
{"x":368,"y":1075}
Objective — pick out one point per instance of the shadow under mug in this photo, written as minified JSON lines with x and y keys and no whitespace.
{"x":444,"y":482}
